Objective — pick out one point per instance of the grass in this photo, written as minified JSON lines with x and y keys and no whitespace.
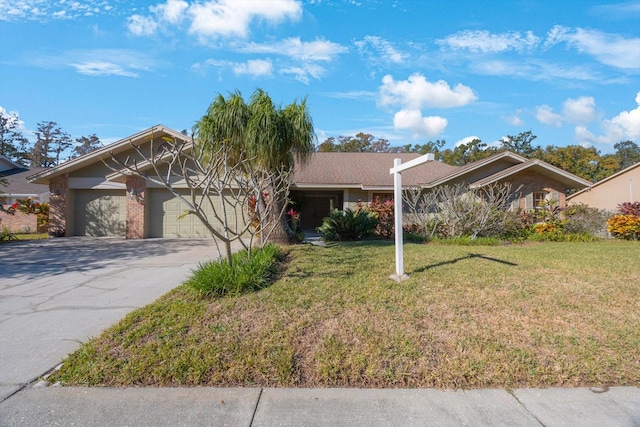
{"x":25,"y":236}
{"x":532,"y":315}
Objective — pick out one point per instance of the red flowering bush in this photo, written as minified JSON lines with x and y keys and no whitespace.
{"x":383,"y":212}
{"x":628,"y":208}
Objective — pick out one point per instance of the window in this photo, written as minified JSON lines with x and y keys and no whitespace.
{"x":382,"y":197}
{"x":539,"y":197}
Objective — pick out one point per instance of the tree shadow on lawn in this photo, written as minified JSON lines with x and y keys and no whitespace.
{"x":470,"y":256}
{"x":35,"y":258}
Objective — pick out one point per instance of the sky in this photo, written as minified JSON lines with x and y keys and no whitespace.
{"x":409,"y":71}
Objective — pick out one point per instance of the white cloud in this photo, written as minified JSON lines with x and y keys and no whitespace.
{"x":212,"y":19}
{"x":416,"y":92}
{"x":317,"y":50}
{"x":486,"y":42}
{"x":580,"y":110}
{"x":384,"y":50}
{"x":609,"y":49}
{"x":514,"y":120}
{"x":305,"y":72}
{"x":44,"y":10}
{"x":96,"y":62}
{"x":102,"y":68}
{"x":173,"y":11}
{"x":13,"y":119}
{"x":465,"y":140}
{"x":254,"y":67}
{"x":226,"y":18}
{"x":545,"y":115}
{"x":535,"y":70}
{"x":625,"y":125}
{"x":413,"y":121}
{"x":584,"y":137}
{"x":140,"y":25}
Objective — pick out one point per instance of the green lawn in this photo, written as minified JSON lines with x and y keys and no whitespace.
{"x":531,"y":315}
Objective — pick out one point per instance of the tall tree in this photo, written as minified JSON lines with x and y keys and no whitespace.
{"x":11,"y":139}
{"x":467,"y":153}
{"x":578,"y":160}
{"x":50,"y":142}
{"x":361,"y":143}
{"x":430,"y":147}
{"x":86,"y":144}
{"x":266,"y":136}
{"x":628,"y":153}
{"x":520,"y":144}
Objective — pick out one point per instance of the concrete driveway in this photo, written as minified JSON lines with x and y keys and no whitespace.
{"x":57,"y":293}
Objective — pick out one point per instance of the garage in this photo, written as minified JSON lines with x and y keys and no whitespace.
{"x":165,"y":211}
{"x":99,"y":213}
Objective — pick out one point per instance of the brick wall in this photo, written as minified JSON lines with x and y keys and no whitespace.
{"x":531,"y":182}
{"x":18,"y":222}
{"x":135,"y":207}
{"x":58,"y":205}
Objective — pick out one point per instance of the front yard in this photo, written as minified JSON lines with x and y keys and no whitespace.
{"x":531,"y":315}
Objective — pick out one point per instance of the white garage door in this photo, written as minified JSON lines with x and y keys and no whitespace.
{"x":164,"y":217}
{"x":99,"y":212}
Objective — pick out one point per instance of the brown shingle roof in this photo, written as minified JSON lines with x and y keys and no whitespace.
{"x":364,"y":170}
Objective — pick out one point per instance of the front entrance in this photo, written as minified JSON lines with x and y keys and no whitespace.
{"x":314,"y":206}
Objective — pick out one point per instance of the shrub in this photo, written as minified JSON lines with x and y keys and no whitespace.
{"x":248,"y":272}
{"x":624,"y":227}
{"x":583,"y":219}
{"x":5,"y":234}
{"x":383,"y":211}
{"x":414,"y":233}
{"x":628,"y":208}
{"x":348,"y":224}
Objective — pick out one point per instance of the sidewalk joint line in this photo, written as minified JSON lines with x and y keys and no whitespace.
{"x":508,"y":390}
{"x":255,"y":409}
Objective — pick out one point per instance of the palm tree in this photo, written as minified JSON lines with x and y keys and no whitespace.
{"x":270,"y":137}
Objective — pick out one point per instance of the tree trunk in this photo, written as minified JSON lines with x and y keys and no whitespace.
{"x":227,"y":248}
{"x":282,"y":233}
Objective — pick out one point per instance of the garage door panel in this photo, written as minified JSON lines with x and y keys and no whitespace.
{"x":167,"y":217}
{"x":99,"y":213}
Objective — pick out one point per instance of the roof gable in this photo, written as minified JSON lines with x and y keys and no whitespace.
{"x":7,"y":164}
{"x":505,"y":157}
{"x":568,"y":179}
{"x":104,"y":153}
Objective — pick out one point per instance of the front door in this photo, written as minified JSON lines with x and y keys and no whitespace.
{"x":316,"y":206}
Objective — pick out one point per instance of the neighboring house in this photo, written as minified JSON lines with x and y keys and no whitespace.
{"x":89,"y":198}
{"x":18,"y":188}
{"x":607,"y":194}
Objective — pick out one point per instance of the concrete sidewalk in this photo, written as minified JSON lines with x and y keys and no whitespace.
{"x":617,"y":406}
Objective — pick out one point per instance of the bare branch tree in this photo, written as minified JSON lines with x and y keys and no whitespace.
{"x":233,"y":200}
{"x":422,"y":206}
{"x":458,"y":210}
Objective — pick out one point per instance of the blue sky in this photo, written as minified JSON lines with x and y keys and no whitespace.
{"x":408,"y":71}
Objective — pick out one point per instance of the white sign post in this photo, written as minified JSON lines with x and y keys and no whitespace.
{"x":396,"y":171}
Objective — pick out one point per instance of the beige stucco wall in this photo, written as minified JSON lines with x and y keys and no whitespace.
{"x":609,"y":194}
